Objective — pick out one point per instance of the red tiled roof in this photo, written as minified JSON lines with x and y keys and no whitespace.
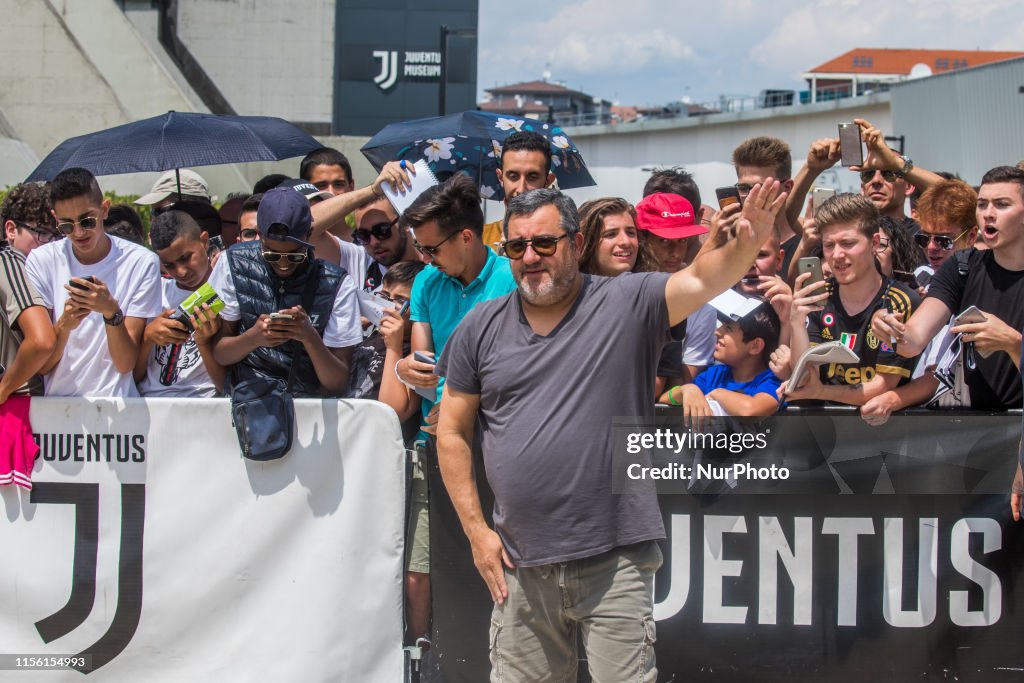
{"x":510,"y":107}
{"x":896,"y":61}
{"x":532,"y":87}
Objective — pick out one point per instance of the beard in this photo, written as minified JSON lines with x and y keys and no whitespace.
{"x":552,"y":289}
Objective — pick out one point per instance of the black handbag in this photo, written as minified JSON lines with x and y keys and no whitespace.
{"x":263,"y":408}
{"x":263,"y":412}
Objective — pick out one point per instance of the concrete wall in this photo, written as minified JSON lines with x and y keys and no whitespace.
{"x":50,"y":88}
{"x":965,"y":121}
{"x":620,"y":157}
{"x":280,"y":64}
{"x":79,"y":66}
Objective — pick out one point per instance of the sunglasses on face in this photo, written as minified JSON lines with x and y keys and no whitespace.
{"x":382,"y":231}
{"x":866,"y":176}
{"x":87,"y":223}
{"x":429,"y":252}
{"x":290,"y":256}
{"x":544,"y":245}
{"x":943,"y":242}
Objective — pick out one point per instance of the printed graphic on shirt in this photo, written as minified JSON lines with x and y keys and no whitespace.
{"x":172,"y":359}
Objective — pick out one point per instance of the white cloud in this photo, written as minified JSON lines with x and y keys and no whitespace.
{"x":649,"y":51}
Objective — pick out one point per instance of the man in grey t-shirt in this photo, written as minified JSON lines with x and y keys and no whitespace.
{"x":546,"y":368}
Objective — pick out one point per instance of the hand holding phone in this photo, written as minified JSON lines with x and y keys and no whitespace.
{"x":79,"y":285}
{"x":812,"y":265}
{"x":851,"y":147}
{"x":972,"y":314}
{"x":728,"y":195}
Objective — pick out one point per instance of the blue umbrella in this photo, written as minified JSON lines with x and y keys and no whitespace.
{"x":178,"y":140}
{"x":470,"y":142}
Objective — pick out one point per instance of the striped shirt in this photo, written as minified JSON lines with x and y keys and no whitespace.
{"x":16,"y":294}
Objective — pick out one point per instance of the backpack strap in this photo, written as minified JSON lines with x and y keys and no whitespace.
{"x":963,"y":262}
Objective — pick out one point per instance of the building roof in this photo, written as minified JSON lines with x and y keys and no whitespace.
{"x":897,"y":61}
{"x":533,"y":88}
{"x":510,"y":107}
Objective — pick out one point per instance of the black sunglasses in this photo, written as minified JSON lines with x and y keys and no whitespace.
{"x":544,"y":245}
{"x":945,"y":243}
{"x":382,"y":231}
{"x":291,"y":256}
{"x":87,"y":223}
{"x":867,"y":175}
{"x":430,"y":251}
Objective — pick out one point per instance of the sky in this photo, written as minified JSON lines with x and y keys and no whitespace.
{"x":640,"y":52}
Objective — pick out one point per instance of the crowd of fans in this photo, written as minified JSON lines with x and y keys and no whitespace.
{"x":325,"y":285}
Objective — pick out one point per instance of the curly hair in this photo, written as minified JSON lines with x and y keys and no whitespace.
{"x":906,"y":256}
{"x":28,"y":203}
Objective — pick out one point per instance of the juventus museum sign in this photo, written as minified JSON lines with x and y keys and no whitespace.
{"x":388,"y":66}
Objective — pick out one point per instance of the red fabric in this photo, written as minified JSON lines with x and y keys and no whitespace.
{"x":18,"y":449}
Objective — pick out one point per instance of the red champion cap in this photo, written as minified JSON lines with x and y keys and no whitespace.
{"x":668,"y":215}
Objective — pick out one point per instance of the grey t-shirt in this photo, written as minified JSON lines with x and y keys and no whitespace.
{"x":546,"y":408}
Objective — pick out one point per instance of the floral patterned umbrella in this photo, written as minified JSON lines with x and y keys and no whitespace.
{"x":470,"y":142}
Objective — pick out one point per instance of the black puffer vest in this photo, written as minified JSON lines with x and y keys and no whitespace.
{"x":260,"y":291}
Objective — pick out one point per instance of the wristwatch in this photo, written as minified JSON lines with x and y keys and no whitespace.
{"x":908,"y":166}
{"x":115,"y":319}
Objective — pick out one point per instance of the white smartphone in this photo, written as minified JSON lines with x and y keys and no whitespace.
{"x":424,"y":358}
{"x":970,"y":315}
{"x":282,"y":316}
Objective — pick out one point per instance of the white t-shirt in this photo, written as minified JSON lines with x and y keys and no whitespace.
{"x":699,"y":344}
{"x":354,"y":260}
{"x":187,"y":376}
{"x":132,"y":274}
{"x":343,"y":329}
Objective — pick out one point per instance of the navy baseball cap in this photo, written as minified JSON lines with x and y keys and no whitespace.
{"x":284,"y":215}
{"x":308,"y":189}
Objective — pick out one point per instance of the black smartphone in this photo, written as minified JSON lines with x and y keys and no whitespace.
{"x":851,"y":148}
{"x":728,"y":195}
{"x":404,"y":308}
{"x":74,"y":284}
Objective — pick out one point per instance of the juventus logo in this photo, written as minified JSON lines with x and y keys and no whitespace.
{"x":85,"y":498}
{"x":388,"y":68}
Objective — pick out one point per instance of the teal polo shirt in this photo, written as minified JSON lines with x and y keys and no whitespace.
{"x":442,"y":301}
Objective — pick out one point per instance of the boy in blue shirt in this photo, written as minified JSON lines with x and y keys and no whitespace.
{"x":739,"y":384}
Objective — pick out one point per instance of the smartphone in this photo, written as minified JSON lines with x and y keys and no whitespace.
{"x":851,"y":147}
{"x":820,"y":195}
{"x":728,"y":195}
{"x":970,"y":315}
{"x":76,"y":285}
{"x":812,"y":265}
{"x":404,"y":309}
{"x":923,"y":275}
{"x":424,"y":358}
{"x":282,"y":316}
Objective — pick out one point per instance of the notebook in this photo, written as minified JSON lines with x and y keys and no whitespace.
{"x":423,"y":179}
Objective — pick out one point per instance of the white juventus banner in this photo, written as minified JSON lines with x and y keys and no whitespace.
{"x":149,"y":549}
